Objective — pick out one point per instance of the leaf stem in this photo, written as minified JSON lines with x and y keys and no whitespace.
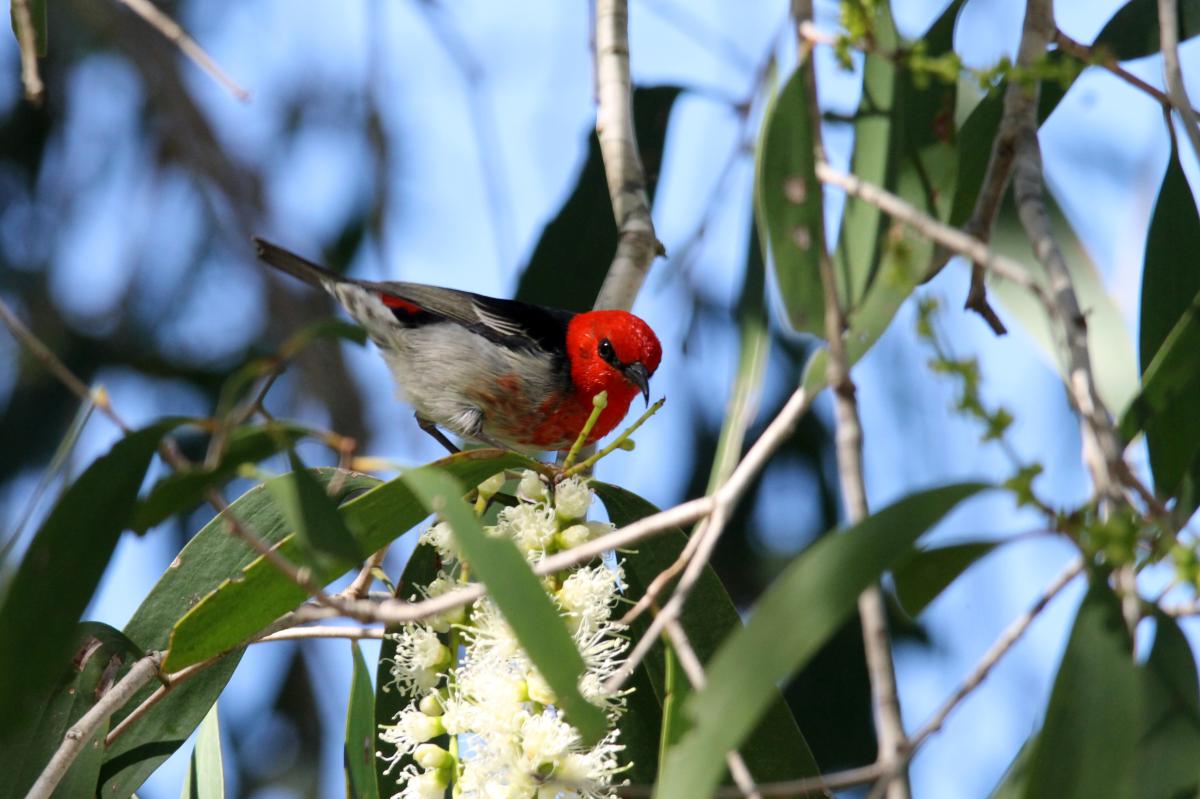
{"x":618,"y":443}
{"x":599,"y":403}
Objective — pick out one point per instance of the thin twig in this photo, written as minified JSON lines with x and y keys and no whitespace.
{"x":142,"y":672}
{"x":1168,"y":27}
{"x":361,"y":584}
{"x":27,"y":41}
{"x":1092,"y":55}
{"x":637,"y":244}
{"x":173,"y":33}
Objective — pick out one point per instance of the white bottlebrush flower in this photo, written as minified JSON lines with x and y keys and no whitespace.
{"x":419,"y":659}
{"x":587,"y":597}
{"x":530,"y":526}
{"x":491,"y":486}
{"x":422,"y":784}
{"x":440,"y":536}
{"x":444,"y":584}
{"x":531,"y":488}
{"x":572,"y":498}
{"x":410,"y":729}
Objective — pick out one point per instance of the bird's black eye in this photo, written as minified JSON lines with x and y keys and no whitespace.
{"x":606,"y":350}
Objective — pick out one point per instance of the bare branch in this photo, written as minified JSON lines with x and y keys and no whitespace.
{"x":1101,"y":451}
{"x":142,"y":672}
{"x":301,"y":633}
{"x":1168,"y":26}
{"x":637,"y":244}
{"x":27,"y":40}
{"x":173,"y":33}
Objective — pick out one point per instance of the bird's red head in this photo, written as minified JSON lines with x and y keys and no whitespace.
{"x":611,"y":351}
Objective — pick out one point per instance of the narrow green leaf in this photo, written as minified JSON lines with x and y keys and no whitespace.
{"x":421,"y":569}
{"x":1170,"y":738}
{"x":58,"y":575}
{"x":1133,"y":30}
{"x":776,"y":749}
{"x":208,"y":560}
{"x":1087,"y":745}
{"x":206,"y":773}
{"x":806,"y":604}
{"x":258,"y":594}
{"x":182,"y":491}
{"x":361,"y":782}
{"x":874,"y":161}
{"x":101,"y":656}
{"x":314,"y":517}
{"x":518,"y":593}
{"x":788,"y":204}
{"x":923,"y":575}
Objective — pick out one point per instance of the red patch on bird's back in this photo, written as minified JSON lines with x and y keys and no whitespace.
{"x":399,"y":304}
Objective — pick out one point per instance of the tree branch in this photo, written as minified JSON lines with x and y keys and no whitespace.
{"x":173,"y":33}
{"x":1168,"y":26}
{"x":637,"y":244}
{"x":27,"y":41}
{"x":142,"y":672}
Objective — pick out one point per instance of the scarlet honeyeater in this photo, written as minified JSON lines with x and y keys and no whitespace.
{"x":503,"y":372}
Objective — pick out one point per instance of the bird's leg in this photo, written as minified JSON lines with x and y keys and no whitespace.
{"x":438,"y":436}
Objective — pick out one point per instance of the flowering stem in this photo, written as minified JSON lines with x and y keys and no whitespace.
{"x":618,"y":443}
{"x":599,"y":403}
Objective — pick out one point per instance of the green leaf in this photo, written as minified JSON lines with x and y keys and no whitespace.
{"x":206,"y":773}
{"x":1169,"y":278}
{"x":101,"y":656}
{"x":208,"y":560}
{"x":776,"y":749}
{"x":182,"y":491}
{"x":1133,"y":30}
{"x":319,"y":527}
{"x":360,"y":732}
{"x":874,"y":161}
{"x":1087,"y":745}
{"x":37,"y":15}
{"x":259,"y":594}
{"x":789,"y":206}
{"x":1170,"y":739}
{"x":58,"y":575}
{"x":922,"y":576}
{"x":1168,"y":339}
{"x":518,"y":594}
{"x":805,"y":605}
{"x":421,"y":569}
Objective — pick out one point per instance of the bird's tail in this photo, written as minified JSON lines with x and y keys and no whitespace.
{"x":294,"y":265}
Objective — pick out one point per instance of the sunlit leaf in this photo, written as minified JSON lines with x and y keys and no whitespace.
{"x":257,"y":595}
{"x":518,"y":594}
{"x":205,"y":777}
{"x":806,"y":604}
{"x":205,"y":563}
{"x":314,"y":517}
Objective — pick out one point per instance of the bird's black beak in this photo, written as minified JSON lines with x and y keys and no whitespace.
{"x":637,"y":374}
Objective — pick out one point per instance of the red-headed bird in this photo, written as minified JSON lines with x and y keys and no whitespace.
{"x":503,"y":372}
